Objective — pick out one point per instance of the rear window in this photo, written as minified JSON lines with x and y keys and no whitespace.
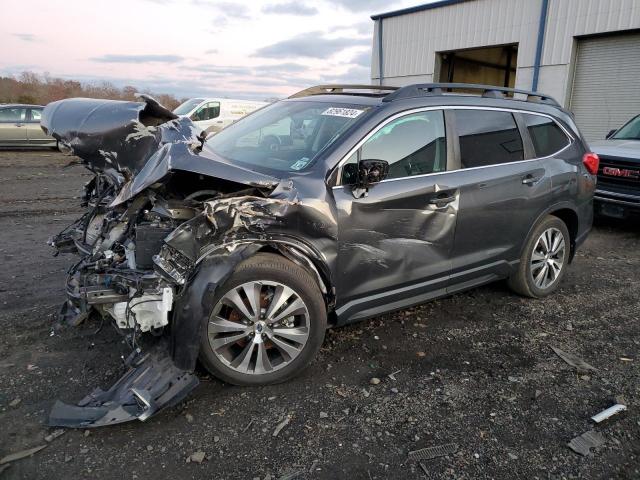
{"x":547,"y":137}
{"x":488,"y":137}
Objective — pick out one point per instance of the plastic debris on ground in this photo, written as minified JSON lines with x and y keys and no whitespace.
{"x":583,"y":444}
{"x":608,"y":413}
{"x":572,"y":360}
{"x":433,"y":452}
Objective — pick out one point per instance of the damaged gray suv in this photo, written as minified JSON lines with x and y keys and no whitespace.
{"x":337,"y":204}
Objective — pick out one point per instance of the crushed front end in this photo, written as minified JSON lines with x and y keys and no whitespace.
{"x":155,"y":208}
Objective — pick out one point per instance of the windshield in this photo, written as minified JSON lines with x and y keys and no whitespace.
{"x":631,"y":131}
{"x":285,"y":136}
{"x":187,"y":106}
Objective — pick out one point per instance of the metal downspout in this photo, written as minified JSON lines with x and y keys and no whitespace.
{"x":380,"y":70}
{"x":541,"y":29}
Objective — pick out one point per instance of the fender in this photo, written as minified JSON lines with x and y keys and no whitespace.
{"x":196,"y":302}
{"x":547,"y":211}
{"x":212,"y":270}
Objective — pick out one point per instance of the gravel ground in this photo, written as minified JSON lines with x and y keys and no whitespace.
{"x":475,"y":370}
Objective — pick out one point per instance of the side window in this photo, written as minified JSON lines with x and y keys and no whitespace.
{"x":547,"y":137}
{"x":414,"y":144}
{"x":13,"y":115}
{"x":488,"y":137}
{"x":207,"y":111}
{"x":36,"y":115}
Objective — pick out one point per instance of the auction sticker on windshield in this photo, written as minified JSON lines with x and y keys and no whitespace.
{"x":342,"y":112}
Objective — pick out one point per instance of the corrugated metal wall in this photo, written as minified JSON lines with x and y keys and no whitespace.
{"x":410,"y":41}
{"x":571,"y":18}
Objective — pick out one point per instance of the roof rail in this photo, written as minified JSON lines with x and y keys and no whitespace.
{"x":374,"y":90}
{"x":488,"y":91}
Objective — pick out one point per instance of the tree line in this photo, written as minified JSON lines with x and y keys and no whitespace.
{"x":31,"y":88}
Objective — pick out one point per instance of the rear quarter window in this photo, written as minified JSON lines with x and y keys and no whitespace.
{"x":547,"y":137}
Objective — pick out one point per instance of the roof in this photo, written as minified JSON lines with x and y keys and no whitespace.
{"x":338,"y":99}
{"x":26,"y":105}
{"x":417,"y":8}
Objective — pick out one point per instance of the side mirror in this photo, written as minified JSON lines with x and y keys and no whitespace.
{"x":610,"y":134}
{"x":371,"y":171}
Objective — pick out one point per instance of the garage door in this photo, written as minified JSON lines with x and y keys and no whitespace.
{"x":606,"y":85}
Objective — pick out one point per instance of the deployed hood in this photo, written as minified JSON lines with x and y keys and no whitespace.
{"x":141,"y":141}
{"x":617,"y":148}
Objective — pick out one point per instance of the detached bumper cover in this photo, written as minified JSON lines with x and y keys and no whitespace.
{"x":153,"y":384}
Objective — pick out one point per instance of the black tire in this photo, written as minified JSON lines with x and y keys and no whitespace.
{"x":274,"y":268}
{"x":522,"y":281}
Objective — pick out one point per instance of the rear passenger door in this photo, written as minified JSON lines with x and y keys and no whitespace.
{"x":503,"y":190}
{"x":35,"y":134}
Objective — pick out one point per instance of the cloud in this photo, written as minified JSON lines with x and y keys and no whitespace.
{"x":362,"y":59}
{"x":253,"y":74}
{"x":358,"y":74}
{"x":361,"y":28}
{"x":219,"y":70}
{"x":151,"y":58}
{"x":290,"y":8}
{"x":26,"y":37}
{"x":289,"y":67}
{"x":361,"y":5}
{"x":229,"y":9}
{"x":310,"y":45}
{"x":211,"y":51}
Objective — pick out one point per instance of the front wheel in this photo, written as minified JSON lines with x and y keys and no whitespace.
{"x":268,"y":322}
{"x":544,"y":259}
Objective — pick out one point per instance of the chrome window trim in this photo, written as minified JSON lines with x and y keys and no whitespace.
{"x":381,"y":125}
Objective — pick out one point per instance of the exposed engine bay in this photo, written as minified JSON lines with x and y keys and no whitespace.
{"x":165,"y":223}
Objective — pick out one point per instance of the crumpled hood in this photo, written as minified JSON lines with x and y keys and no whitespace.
{"x":179,"y":156}
{"x":617,"y":148}
{"x":141,"y":141}
{"x":112,"y":134}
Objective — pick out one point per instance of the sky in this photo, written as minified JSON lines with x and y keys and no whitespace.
{"x":238,"y":49}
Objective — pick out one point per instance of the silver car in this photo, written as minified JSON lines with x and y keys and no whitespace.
{"x":20,"y":127}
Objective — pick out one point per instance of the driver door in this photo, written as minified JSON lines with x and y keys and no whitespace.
{"x":395,"y":242}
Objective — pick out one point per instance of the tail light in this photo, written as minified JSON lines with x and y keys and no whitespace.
{"x":591,"y":162}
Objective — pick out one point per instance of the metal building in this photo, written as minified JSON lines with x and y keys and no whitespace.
{"x":585,"y":53}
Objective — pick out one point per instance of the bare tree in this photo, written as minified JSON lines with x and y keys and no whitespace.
{"x":29,"y":87}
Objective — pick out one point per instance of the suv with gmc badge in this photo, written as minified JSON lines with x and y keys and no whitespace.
{"x":618,"y":192}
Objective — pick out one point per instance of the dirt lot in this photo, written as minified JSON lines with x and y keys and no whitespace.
{"x":475,"y":370}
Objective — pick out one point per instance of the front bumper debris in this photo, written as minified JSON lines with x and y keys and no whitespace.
{"x":153,"y":384}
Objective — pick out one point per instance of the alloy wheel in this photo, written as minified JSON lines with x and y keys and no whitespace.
{"x":547,"y":259}
{"x":259,"y":327}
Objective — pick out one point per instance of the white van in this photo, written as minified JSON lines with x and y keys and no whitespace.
{"x":213,"y":114}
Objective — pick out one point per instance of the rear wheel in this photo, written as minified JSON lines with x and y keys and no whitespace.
{"x":544,"y":259}
{"x":267,"y":323}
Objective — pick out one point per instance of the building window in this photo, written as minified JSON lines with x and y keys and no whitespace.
{"x":547,"y":137}
{"x":488,"y":137}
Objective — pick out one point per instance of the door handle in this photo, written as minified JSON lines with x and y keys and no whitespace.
{"x":442,"y":199}
{"x":530,"y":180}
{"x":19,"y":125}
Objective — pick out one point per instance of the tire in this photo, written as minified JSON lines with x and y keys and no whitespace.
{"x":242,"y":339}
{"x":529,"y":280}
